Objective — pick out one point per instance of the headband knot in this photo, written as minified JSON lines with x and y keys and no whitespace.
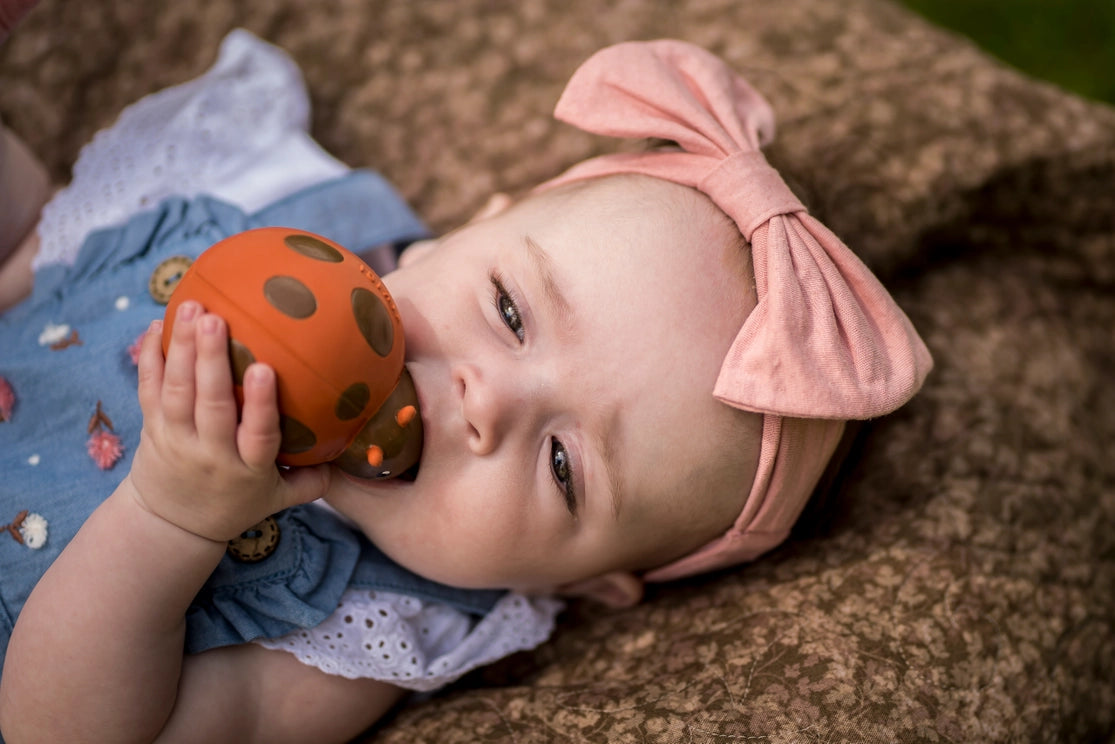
{"x":747,"y":179}
{"x":825,"y":342}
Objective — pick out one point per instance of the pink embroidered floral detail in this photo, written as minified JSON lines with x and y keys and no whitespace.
{"x":135,"y":346}
{"x":7,"y":400}
{"x":105,"y":449}
{"x":103,"y":445}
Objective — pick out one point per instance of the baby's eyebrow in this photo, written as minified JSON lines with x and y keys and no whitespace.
{"x":560,"y":308}
{"x":607,"y":444}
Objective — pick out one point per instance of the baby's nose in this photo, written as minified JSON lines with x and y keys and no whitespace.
{"x":490,"y":404}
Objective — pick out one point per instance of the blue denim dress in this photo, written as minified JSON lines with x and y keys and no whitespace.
{"x":65,"y":354}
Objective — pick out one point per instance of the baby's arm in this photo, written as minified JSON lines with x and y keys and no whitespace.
{"x":96,"y":654}
{"x":24,"y":189}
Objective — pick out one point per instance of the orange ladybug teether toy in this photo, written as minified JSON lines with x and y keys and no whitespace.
{"x":324,"y":321}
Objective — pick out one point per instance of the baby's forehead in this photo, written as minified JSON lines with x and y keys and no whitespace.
{"x":624,"y":192}
{"x":646,"y":209}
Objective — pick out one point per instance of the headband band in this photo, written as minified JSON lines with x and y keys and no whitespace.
{"x":825,"y":342}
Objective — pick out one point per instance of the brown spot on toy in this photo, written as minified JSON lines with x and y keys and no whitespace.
{"x":314,"y":248}
{"x":290,"y":297}
{"x":297,"y":437}
{"x":391,"y":442}
{"x":327,"y":327}
{"x":352,"y":401}
{"x":374,"y":321}
{"x":242,"y":358}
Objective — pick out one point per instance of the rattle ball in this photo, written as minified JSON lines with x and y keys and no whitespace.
{"x":323,"y":320}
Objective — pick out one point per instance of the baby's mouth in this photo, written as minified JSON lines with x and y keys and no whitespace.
{"x":410,"y":474}
{"x":390,"y":444}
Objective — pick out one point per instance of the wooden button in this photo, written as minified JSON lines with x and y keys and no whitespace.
{"x":256,"y":543}
{"x":166,"y":276}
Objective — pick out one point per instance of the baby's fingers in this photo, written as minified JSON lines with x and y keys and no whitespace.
{"x":303,"y":485}
{"x":258,"y":437}
{"x":178,"y":394}
{"x":151,"y":369}
{"x":215,"y":409}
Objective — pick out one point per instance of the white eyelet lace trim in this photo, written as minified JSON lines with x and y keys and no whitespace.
{"x":416,"y":644}
{"x":238,"y":132}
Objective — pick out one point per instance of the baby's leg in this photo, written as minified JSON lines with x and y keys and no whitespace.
{"x":24,"y":189}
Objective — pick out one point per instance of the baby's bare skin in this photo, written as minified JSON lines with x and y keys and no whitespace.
{"x":26,"y":187}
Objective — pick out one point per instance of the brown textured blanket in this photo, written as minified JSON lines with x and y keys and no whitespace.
{"x":959,"y":585}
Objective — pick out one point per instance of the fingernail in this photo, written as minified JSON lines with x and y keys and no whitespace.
{"x":258,"y":374}
{"x":156,"y":326}
{"x":188,"y":310}
{"x":210,"y":324}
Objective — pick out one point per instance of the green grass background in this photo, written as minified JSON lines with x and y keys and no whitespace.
{"x":1068,"y":42}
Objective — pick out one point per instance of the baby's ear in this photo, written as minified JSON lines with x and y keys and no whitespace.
{"x":419,"y":248}
{"x":615,"y":589}
{"x":496,"y":203}
{"x":415,"y":251}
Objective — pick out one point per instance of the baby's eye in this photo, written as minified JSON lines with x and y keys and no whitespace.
{"x":507,"y":309}
{"x":562,"y":469}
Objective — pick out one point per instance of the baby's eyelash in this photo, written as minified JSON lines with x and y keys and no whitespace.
{"x":561,"y":470}
{"x":506,"y":306}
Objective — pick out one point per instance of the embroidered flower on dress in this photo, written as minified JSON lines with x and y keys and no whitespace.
{"x":105,"y":449}
{"x":72,"y":340}
{"x":59,"y":336}
{"x":103,"y":445}
{"x":28,"y":529}
{"x":34,"y":531}
{"x":135,"y":346}
{"x":7,"y":400}
{"x":53,"y":333}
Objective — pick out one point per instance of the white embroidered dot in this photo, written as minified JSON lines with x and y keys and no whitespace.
{"x":33,"y":460}
{"x":122,"y":303}
{"x":53,"y":333}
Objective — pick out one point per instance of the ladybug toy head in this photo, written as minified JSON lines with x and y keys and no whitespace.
{"x":322,"y":319}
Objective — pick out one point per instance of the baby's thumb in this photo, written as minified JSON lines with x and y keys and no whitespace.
{"x":305,"y":484}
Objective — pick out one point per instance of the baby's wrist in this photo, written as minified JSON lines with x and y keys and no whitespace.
{"x":164,"y":520}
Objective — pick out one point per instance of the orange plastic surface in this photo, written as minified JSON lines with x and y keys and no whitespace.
{"x":318,"y":315}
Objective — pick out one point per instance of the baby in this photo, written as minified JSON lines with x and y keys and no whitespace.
{"x":636,"y":373}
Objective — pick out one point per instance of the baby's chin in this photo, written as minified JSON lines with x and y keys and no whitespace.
{"x":326,"y":503}
{"x":349,"y":496}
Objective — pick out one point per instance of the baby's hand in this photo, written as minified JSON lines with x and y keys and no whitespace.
{"x":197,"y":466}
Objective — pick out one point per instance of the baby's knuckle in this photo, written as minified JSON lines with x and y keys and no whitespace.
{"x":146,"y":375}
{"x":173,"y":387}
{"x":218,"y":406}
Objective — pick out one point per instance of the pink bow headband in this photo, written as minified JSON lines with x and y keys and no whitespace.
{"x":825,"y":343}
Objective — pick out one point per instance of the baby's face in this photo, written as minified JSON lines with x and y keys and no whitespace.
{"x":564,"y":352}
